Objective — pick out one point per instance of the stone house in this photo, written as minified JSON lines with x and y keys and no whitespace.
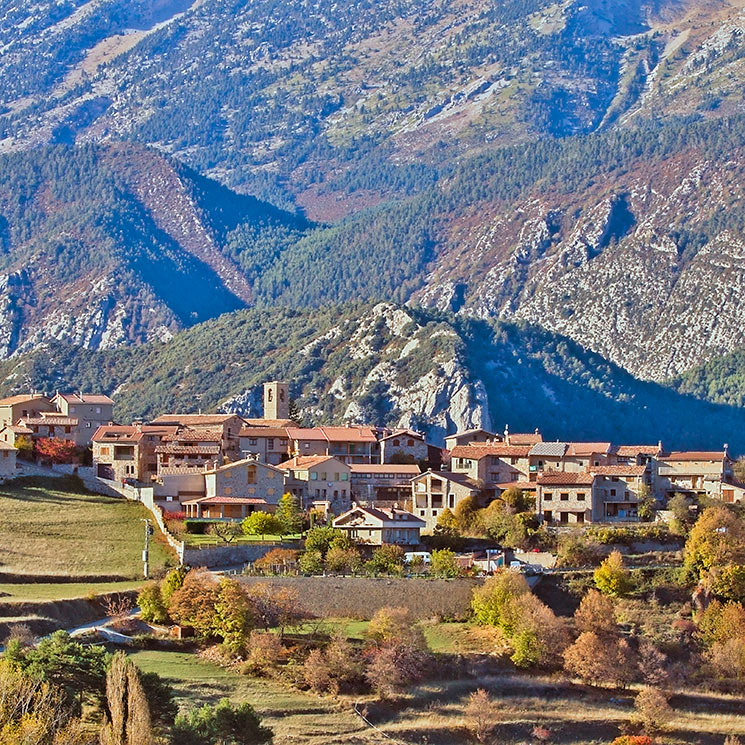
{"x":616,"y":492}
{"x":406,"y":446}
{"x":52,"y":424}
{"x":90,"y":410}
{"x":471,"y":436}
{"x":128,"y":452}
{"x":565,"y":497}
{"x":569,"y":456}
{"x":386,"y":482}
{"x":348,"y":444}
{"x":12,"y":433}
{"x":433,"y":491}
{"x":267,"y":444}
{"x":14,"y":408}
{"x":640,"y":455}
{"x":191,"y":449}
{"x":7,"y":460}
{"x":319,"y":481}
{"x":228,"y":425}
{"x":377,"y":526}
{"x":492,"y":465}
{"x":699,"y":473}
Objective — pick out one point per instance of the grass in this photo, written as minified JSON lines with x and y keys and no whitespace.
{"x":295,"y":716}
{"x":52,"y":527}
{"x":193,"y":540}
{"x":38,"y":591}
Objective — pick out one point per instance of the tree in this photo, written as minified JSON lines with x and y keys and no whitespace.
{"x":128,"y":714}
{"x":611,"y":577}
{"x":275,"y":607}
{"x":466,"y":514}
{"x":343,"y":560}
{"x":277,"y":561}
{"x":25,"y":447}
{"x":265,"y":651}
{"x":227,"y":532}
{"x":596,"y":613}
{"x":517,"y":500}
{"x":193,"y":604}
{"x":394,"y":666}
{"x":152,"y":607}
{"x":234,"y":616}
{"x":491,"y":601}
{"x":317,"y":672}
{"x":289,"y":514}
{"x":444,"y":563}
{"x":646,"y":503}
{"x":652,"y":709}
{"x":261,"y":523}
{"x":727,"y":658}
{"x":311,"y":562}
{"x":447,"y":524}
{"x":600,"y":659}
{"x":728,"y":582}
{"x":222,"y":724}
{"x":717,"y":539}
{"x":480,"y":716}
{"x":680,"y":506}
{"x":173,"y":581}
{"x":322,"y":538}
{"x":386,"y":559}
{"x":55,"y":450}
{"x":395,"y":624}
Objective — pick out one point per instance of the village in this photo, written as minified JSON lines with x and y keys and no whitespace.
{"x":383,"y":486}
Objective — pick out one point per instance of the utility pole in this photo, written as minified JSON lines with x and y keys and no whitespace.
{"x":148,"y":533}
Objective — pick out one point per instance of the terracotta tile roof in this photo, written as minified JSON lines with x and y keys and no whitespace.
{"x":275,"y":423}
{"x":404,"y":433}
{"x":333,"y":434}
{"x":225,"y":500}
{"x":476,"y":452}
{"x":85,"y":398}
{"x":50,"y":421}
{"x":528,"y":438}
{"x":627,"y":451}
{"x":280,"y":432}
{"x":244,"y":462}
{"x":175,"y":449}
{"x":524,"y":485}
{"x":22,"y":398}
{"x":695,"y":455}
{"x":459,"y":478}
{"x":19,"y":429}
{"x":579,"y":449}
{"x":389,"y":517}
{"x":555,"y":478}
{"x":471,"y":432}
{"x":193,"y":419}
{"x":300,"y":462}
{"x":618,"y":470}
{"x":195,"y":435}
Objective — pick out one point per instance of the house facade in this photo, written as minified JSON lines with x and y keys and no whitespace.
{"x":319,"y":481}
{"x":348,"y":444}
{"x":404,"y":446}
{"x":7,"y":460}
{"x":90,"y":410}
{"x":433,"y":491}
{"x":14,"y":408}
{"x":697,"y":473}
{"x":377,"y":483}
{"x":267,"y":444}
{"x":375,"y":526}
{"x":493,"y":465}
{"x":565,"y":497}
{"x":128,"y":452}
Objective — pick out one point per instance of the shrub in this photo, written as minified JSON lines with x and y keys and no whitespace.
{"x":343,"y":560}
{"x":480,"y":716}
{"x":576,"y":550}
{"x":396,"y":624}
{"x":386,"y":559}
{"x":316,"y":672}
{"x":322,"y":538}
{"x":173,"y":581}
{"x":444,"y":564}
{"x":394,"y":666}
{"x":311,"y":562}
{"x":652,"y":710}
{"x":219,"y":725}
{"x":265,"y":652}
{"x":490,"y":602}
{"x":261,"y":523}
{"x":277,"y":561}
{"x":717,"y":539}
{"x":598,"y":660}
{"x":596,"y":613}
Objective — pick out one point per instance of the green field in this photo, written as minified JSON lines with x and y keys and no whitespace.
{"x":50,"y":527}
{"x":194,"y":540}
{"x":295,"y":716}
{"x":41,"y":591}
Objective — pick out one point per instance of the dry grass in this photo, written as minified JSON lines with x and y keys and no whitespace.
{"x":48,"y":529}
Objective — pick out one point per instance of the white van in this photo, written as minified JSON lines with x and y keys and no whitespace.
{"x":424,"y":556}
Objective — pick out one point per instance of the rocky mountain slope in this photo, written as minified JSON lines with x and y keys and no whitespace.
{"x":385,"y":364}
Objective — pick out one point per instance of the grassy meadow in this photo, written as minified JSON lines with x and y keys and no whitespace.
{"x":52,"y":527}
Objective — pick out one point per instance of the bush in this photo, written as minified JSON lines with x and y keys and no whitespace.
{"x":196,"y":527}
{"x":444,"y":564}
{"x":222,"y":724}
{"x":386,"y":559}
{"x":265,"y":652}
{"x":577,"y":550}
{"x":599,"y":659}
{"x":396,"y":624}
{"x":652,"y":709}
{"x":311,"y":562}
{"x":277,"y":561}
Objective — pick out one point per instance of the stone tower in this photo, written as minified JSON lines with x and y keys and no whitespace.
{"x":276,"y":401}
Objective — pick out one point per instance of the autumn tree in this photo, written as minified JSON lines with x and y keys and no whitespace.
{"x":343,"y":560}
{"x":386,"y":559}
{"x":311,"y":562}
{"x":491,"y":602}
{"x":466,"y":514}
{"x":480,"y":716}
{"x":447,"y":525}
{"x":612,"y":577}
{"x":321,"y":539}
{"x":599,"y":660}
{"x":277,"y":561}
{"x":235,"y":615}
{"x":393,"y":666}
{"x":265,"y":652}
{"x":652,"y":709}
{"x":55,"y":450}
{"x":444,"y":563}
{"x":395,"y":624}
{"x":728,"y":582}
{"x":128,"y":714}
{"x":596,"y":613}
{"x":275,"y":607}
{"x":227,"y":532}
{"x":717,"y":539}
{"x":193,"y":604}
{"x":173,"y":581}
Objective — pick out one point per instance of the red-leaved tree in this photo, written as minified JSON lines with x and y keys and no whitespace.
{"x":58,"y":451}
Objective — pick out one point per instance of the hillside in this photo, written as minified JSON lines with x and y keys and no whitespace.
{"x":386,"y":364}
{"x":116,"y":245}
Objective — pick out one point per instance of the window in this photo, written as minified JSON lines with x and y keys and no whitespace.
{"x":270,"y":474}
{"x":396,"y":443}
{"x":513,"y":461}
{"x":564,"y":496}
{"x":434,"y":513}
{"x":228,"y":491}
{"x":547,"y":515}
{"x":105,"y":451}
{"x":98,"y":409}
{"x":283,"y":443}
{"x":270,"y":443}
{"x":410,"y":443}
{"x":251,"y":440}
{"x":313,"y":476}
{"x":336,"y":477}
{"x":614,"y":478}
{"x":72,"y":411}
{"x":322,"y":476}
{"x":88,"y":425}
{"x":580,"y":517}
{"x":345,"y":476}
{"x":306,"y":445}
{"x":613,"y":492}
{"x":581,"y":497}
{"x":421,"y":513}
{"x":547,"y":496}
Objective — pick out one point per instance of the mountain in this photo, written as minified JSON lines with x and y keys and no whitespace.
{"x":385,"y":364}
{"x":118,"y":244}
